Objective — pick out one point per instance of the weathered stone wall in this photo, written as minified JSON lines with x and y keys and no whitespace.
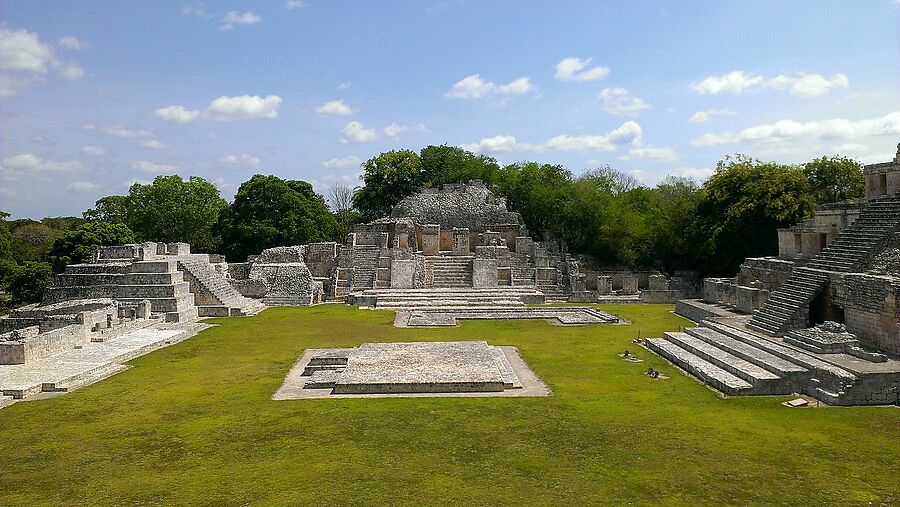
{"x":472,"y":206}
{"x":871,"y":309}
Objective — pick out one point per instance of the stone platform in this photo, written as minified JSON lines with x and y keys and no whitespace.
{"x":449,"y":297}
{"x":411,"y":369}
{"x":448,"y":317}
{"x":88,"y":363}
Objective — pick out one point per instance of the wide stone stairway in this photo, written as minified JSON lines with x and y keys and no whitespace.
{"x":450,"y":270}
{"x":787,"y":307}
{"x":446,"y":298}
{"x":217,"y":297}
{"x":737,"y":362}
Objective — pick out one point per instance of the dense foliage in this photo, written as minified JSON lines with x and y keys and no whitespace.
{"x":269,"y":211}
{"x":169,"y":210}
{"x":28,"y":281}
{"x":79,"y":244}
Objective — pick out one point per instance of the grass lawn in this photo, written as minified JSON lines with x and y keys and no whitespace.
{"x":194,"y":424}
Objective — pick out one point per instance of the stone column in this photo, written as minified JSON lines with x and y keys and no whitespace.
{"x":431,"y":239}
{"x":629,"y":284}
{"x":604,"y":285}
{"x":461,"y":241}
{"x":484,"y":273}
{"x":403,"y":273}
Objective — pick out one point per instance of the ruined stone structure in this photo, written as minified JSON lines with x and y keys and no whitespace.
{"x":828,"y":304}
{"x":458,"y":242}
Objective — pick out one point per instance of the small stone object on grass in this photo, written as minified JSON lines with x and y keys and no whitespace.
{"x":795,"y":403}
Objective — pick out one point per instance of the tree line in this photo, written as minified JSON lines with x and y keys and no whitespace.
{"x":603,"y":213}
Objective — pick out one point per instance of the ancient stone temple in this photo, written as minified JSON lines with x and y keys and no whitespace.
{"x":821,"y":318}
{"x":458,"y":244}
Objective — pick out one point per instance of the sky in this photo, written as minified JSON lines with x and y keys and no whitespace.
{"x":98,"y":95}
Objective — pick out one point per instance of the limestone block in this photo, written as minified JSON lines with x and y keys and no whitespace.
{"x":403,"y":274}
{"x":658,"y":282}
{"x":748,"y":298}
{"x":143,"y":310}
{"x":178,"y":249}
{"x":431,"y":239}
{"x":484,"y":273}
{"x":461,"y":241}
{"x":524,"y":245}
{"x":629,"y":284}
{"x":604,"y":285}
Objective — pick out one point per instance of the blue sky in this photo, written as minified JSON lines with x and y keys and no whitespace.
{"x":97,"y":95}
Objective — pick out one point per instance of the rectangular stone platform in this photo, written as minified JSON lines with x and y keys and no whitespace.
{"x":443,"y":317}
{"x":412,"y":369}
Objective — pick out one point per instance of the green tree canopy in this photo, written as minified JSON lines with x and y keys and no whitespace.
{"x":170,"y":209}
{"x":269,"y":211}
{"x":388,"y":178}
{"x":451,"y":164}
{"x":5,"y":237}
{"x":29,"y":281}
{"x":743,"y":205}
{"x":79,"y":244}
{"x":834,"y":179}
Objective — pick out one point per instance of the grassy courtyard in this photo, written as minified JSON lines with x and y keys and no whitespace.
{"x":194,"y":424}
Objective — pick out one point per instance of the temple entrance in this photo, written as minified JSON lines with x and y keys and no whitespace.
{"x":822,"y":309}
{"x":882,"y":184}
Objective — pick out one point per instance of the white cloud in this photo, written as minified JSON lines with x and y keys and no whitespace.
{"x":154,"y":144}
{"x":244,"y":107}
{"x":837,"y":129}
{"x":12,"y":85}
{"x":242,"y":160}
{"x":494,"y":144}
{"x":357,"y":133}
{"x":474,"y":87}
{"x":345,"y":86}
{"x":334,"y":107}
{"x":801,"y":84}
{"x":197,"y":11}
{"x":648,"y":153}
{"x":394,"y":129}
{"x":119,"y":131}
{"x":342,"y":163}
{"x":151,"y":167}
{"x":69,"y":70}
{"x":292,"y":4}
{"x":83,"y":186}
{"x":705,"y":116}
{"x":574,"y":69}
{"x":618,"y":101}
{"x":809,"y":85}
{"x":22,"y":50}
{"x":72,"y":43}
{"x":234,"y":18}
{"x":627,"y":133}
{"x":95,"y":151}
{"x":697,"y":173}
{"x":30,"y":165}
{"x":176,"y":114}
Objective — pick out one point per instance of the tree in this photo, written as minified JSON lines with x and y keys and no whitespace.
{"x":742,"y":206}
{"x":29,"y":281}
{"x":30,"y":240}
{"x":168,"y":210}
{"x":5,"y":237}
{"x":340,"y":199}
{"x":834,"y":179}
{"x":388,"y":178}
{"x":451,"y":164}
{"x":268,"y":211}
{"x":78,"y":245}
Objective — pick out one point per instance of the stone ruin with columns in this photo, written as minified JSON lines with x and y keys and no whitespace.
{"x":822,"y":318}
{"x":454,"y":245}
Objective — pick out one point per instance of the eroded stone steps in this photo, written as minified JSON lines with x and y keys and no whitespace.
{"x":699,"y":367}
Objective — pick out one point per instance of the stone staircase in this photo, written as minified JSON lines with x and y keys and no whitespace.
{"x":163,"y":285}
{"x":787,"y":308}
{"x":522,"y":270}
{"x":737,"y":362}
{"x":447,"y":298}
{"x":365,"y":266}
{"x":215,"y":290}
{"x":450,"y":270}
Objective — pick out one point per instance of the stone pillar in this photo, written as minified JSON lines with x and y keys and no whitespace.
{"x":484,"y":273}
{"x":604,"y":285}
{"x":178,"y":248}
{"x":431,"y":239}
{"x":461,"y":241}
{"x":403,"y":273}
{"x":143,"y":310}
{"x":629,"y":284}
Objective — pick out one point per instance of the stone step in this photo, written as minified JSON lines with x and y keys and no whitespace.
{"x":699,"y":367}
{"x":747,"y":352}
{"x":762,"y":380}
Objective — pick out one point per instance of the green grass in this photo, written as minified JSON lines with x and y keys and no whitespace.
{"x":194,"y":424}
